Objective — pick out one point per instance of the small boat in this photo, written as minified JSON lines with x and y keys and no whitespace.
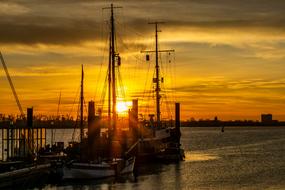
{"x":117,"y":167}
{"x":86,"y":160}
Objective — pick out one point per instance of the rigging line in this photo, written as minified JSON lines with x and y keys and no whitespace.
{"x":99,"y":75}
{"x":169,"y":91}
{"x":168,"y":110}
{"x":172,"y":79}
{"x":167,"y":103}
{"x":147,"y":75}
{"x":77,"y":119}
{"x":116,"y":34}
{"x":169,"y":76}
{"x":161,"y":65}
{"x":122,"y":17}
{"x":58,"y":105}
{"x":175,"y":71}
{"x":102,"y":100}
{"x":135,"y":73}
{"x":101,"y":65}
{"x":121,"y":84}
{"x":76,"y":94}
{"x":165,"y":73}
{"x":118,"y":86}
{"x":125,"y":29}
{"x":102,"y":97}
{"x":104,"y":27}
{"x":132,"y":31}
{"x":122,"y":43}
{"x":85,"y":106}
{"x":119,"y":34}
{"x":53,"y":131}
{"x":125,"y":46}
{"x":119,"y":39}
{"x":147,"y":94}
{"x":150,"y":94}
{"x":137,"y":58}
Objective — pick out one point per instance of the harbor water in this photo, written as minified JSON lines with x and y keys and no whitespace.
{"x":239,"y":158}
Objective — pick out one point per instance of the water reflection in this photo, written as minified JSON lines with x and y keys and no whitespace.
{"x":125,"y":182}
{"x":241,"y":158}
{"x":199,"y":156}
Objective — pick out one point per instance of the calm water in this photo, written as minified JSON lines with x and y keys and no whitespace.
{"x":239,"y":158}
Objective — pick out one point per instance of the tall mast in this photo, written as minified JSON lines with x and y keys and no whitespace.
{"x":112,"y":73}
{"x":113,"y":67}
{"x":157,"y":80}
{"x":157,"y":89}
{"x":81,"y":106}
{"x":109,"y":82}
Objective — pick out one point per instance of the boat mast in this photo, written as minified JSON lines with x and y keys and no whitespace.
{"x":109,"y":82}
{"x":113,"y":67}
{"x":112,"y":73}
{"x":157,"y":80}
{"x":81,"y":105}
{"x":157,"y":89}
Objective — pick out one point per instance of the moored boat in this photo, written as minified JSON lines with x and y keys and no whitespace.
{"x":100,"y":156}
{"x":80,"y":170}
{"x":18,"y":176}
{"x":160,"y":139}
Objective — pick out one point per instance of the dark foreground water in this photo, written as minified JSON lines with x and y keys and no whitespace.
{"x":239,"y":158}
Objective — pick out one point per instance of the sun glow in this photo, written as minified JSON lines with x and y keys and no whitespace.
{"x":123,"y":107}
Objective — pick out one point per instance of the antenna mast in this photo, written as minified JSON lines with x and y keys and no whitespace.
{"x":157,"y":80}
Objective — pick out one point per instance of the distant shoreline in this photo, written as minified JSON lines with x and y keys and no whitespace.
{"x":261,"y":126}
{"x":216,"y":123}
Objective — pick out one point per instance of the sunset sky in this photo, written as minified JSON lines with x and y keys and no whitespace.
{"x":229,"y":54}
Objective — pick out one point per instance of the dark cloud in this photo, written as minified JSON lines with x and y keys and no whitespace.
{"x":257,"y":85}
{"x":74,"y":21}
{"x":29,"y":30}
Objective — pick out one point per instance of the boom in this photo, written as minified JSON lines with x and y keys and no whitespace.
{"x":11,"y":85}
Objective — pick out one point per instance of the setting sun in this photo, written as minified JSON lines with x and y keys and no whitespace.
{"x":123,"y":107}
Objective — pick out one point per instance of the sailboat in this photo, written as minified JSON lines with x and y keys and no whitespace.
{"x":163,"y":143}
{"x":94,"y":162}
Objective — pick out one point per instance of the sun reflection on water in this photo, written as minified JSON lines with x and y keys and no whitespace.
{"x":199,"y":156}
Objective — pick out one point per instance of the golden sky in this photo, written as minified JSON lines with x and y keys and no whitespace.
{"x":228,"y":62}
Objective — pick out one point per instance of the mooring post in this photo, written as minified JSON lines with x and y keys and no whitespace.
{"x":91,"y":129}
{"x":134,"y":119}
{"x":177,"y":122}
{"x":30,"y":128}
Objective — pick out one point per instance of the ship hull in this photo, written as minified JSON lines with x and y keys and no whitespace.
{"x":97,"y":171}
{"x":20,"y":176}
{"x":77,"y":173}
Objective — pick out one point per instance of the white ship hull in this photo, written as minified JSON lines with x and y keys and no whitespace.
{"x":97,"y":171}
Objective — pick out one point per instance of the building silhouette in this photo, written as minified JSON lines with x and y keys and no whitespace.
{"x":266,"y":118}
